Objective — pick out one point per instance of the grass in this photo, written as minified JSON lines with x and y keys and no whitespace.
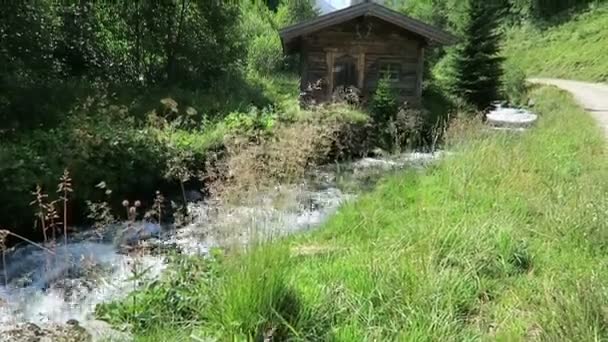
{"x":503,"y":240}
{"x":576,"y":49}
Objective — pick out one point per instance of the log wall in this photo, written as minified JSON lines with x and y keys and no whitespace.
{"x":372,"y":43}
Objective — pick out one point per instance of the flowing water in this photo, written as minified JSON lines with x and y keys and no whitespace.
{"x":44,"y":288}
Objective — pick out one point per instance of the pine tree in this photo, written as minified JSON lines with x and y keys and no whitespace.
{"x":477,"y":65}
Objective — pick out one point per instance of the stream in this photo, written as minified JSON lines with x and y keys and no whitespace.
{"x":47,"y":292}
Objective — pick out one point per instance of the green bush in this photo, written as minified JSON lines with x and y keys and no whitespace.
{"x":514,"y":87}
{"x":253,"y":120}
{"x":384,"y":103}
{"x":182,"y":295}
{"x":105,"y":146}
{"x":265,"y":53}
{"x":406,"y":128}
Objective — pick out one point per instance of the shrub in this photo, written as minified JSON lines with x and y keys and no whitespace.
{"x":285,"y":152}
{"x":253,"y":121}
{"x":384,"y":102}
{"x":183,"y":294}
{"x":265,"y":53}
{"x":350,"y":95}
{"x":514,"y":87}
{"x":406,"y":128}
{"x":96,"y":142}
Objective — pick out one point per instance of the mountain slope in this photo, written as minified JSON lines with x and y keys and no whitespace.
{"x":577,"y":49}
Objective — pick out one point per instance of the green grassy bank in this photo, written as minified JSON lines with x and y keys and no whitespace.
{"x":505,"y":239}
{"x":575,"y":49}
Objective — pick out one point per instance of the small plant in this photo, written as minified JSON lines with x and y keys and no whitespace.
{"x":406,"y":127}
{"x":101,"y":212}
{"x":64,"y":189}
{"x":307,"y":98}
{"x":514,"y":88}
{"x":51,"y":216}
{"x":131,"y":210}
{"x":350,"y":95}
{"x":252,"y":122}
{"x":3,"y":237}
{"x":384,"y":104}
{"x":159,"y":200}
{"x":178,"y":168}
{"x":40,"y":203}
{"x":156,"y":212}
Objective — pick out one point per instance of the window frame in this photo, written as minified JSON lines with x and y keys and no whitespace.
{"x":386,"y":68}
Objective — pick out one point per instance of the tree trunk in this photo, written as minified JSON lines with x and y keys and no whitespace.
{"x":174,"y":43}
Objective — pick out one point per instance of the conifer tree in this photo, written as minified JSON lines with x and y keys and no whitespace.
{"x":477,"y":65}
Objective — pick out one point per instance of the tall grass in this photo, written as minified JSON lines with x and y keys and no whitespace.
{"x":503,"y":240}
{"x":575,"y":49}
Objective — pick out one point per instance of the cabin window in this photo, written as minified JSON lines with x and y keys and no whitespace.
{"x":390,"y":70}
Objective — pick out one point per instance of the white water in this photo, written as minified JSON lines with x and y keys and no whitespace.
{"x":45,"y":288}
{"x":505,"y":117}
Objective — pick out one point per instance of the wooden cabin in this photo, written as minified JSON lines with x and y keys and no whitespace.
{"x":359,"y":45}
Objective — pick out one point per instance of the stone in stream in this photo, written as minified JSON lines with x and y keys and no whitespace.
{"x":510,"y":118}
{"x":194,"y":196}
{"x":102,"y":331}
{"x":139,"y":232}
{"x":30,"y":332}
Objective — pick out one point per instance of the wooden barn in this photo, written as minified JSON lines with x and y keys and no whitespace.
{"x":357,"y":46}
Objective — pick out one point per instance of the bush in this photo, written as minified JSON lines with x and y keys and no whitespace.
{"x":105,"y":146}
{"x":406,"y":129}
{"x":265,"y":53}
{"x":384,"y":102}
{"x":285,"y":152}
{"x":253,"y":121}
{"x":183,"y":294}
{"x":514,"y":87}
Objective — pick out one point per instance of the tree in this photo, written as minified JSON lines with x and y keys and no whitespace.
{"x":295,"y":11}
{"x":477,"y":65}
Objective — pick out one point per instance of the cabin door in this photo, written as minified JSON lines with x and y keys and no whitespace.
{"x":345,"y":69}
{"x":345,"y":72}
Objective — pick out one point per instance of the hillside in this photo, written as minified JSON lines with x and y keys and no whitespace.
{"x":575,"y":49}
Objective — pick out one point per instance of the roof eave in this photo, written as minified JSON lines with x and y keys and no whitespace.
{"x":424,"y":30}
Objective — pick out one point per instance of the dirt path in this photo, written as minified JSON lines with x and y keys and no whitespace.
{"x":592,"y":96}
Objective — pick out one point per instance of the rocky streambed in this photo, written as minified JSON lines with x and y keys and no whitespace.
{"x":52,"y":296}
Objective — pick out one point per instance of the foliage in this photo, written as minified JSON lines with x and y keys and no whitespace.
{"x":264,"y":50}
{"x":384,"y":102}
{"x":252,"y":121}
{"x":292,"y":12}
{"x":53,"y":54}
{"x":450,"y":14}
{"x":395,"y":124}
{"x":259,"y":157}
{"x":109,"y":146}
{"x":514,"y":86}
{"x":182,"y":295}
{"x":126,"y":158}
{"x":467,"y":250}
{"x":572,"y":50}
{"x":260,"y":25}
{"x":446,"y":14}
{"x":545,"y":10}
{"x":407,"y":127}
{"x":265,"y":53}
{"x":477,"y":66}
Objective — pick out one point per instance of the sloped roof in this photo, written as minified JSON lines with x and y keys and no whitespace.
{"x":372,"y":9}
